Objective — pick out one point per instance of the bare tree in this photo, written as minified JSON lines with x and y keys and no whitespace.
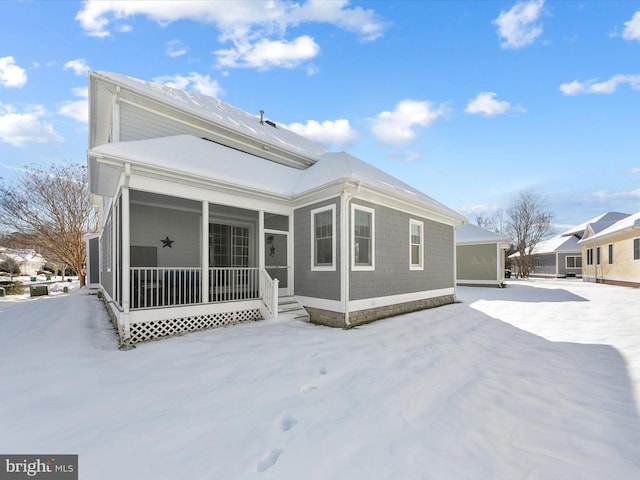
{"x":496,"y":222}
{"x":51,"y":208}
{"x":528,"y":222}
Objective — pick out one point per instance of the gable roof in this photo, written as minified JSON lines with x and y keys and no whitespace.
{"x":231,"y":123}
{"x":630,"y":222}
{"x":596,"y":224}
{"x":559,"y":244}
{"x":211,"y":162}
{"x":469,"y":234}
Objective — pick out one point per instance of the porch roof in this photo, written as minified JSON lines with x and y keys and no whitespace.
{"x":209,"y":161}
{"x":469,"y":234}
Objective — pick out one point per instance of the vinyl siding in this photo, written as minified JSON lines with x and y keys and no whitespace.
{"x":624,"y":268}
{"x":392,"y":274}
{"x":308,"y":283}
{"x":477,"y":262}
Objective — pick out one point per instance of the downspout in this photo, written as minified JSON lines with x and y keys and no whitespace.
{"x":345,"y":252}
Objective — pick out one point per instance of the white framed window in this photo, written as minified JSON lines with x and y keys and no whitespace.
{"x":323,"y":238}
{"x":589,"y":256}
{"x":362,"y":238}
{"x":636,"y":248}
{"x":610,"y":248}
{"x":597,"y":255}
{"x":416,"y":242}
{"x":572,"y":261}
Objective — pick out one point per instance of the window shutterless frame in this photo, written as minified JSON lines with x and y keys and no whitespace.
{"x":323,"y":239}
{"x":363,"y":241}
{"x":416,"y":245}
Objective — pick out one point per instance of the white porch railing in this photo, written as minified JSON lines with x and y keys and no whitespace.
{"x":153,"y":287}
{"x":269,"y":292}
{"x":161,"y":287}
{"x":228,"y":284}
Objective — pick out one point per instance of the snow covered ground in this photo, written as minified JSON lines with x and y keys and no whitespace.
{"x":540,"y":380}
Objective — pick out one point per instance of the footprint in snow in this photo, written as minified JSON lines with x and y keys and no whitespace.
{"x":307,"y":388}
{"x":287,"y":422}
{"x":322,"y":370}
{"x":268,"y":460}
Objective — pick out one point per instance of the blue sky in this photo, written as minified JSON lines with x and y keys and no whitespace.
{"x":469,"y":101}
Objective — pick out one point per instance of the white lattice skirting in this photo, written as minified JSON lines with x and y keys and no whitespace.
{"x":144,"y":331}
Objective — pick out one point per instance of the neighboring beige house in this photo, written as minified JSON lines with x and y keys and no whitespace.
{"x":612,"y":255}
{"x":480,"y":256}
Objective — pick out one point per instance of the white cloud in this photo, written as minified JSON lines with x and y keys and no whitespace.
{"x":336,"y":133}
{"x":358,"y":20}
{"x":606,"y":87}
{"x":518,"y":26}
{"x":635,"y":170}
{"x":398,"y":127}
{"x":604,"y":195}
{"x":486,"y":104}
{"x":79,"y":66}
{"x":77,"y":109}
{"x":632,"y":28}
{"x":249,"y":26}
{"x":11,"y":75}
{"x":269,"y":53}
{"x":176,"y":49}
{"x":194,"y":81}
{"x":20,"y":129}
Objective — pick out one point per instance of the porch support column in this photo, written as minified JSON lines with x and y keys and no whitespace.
{"x":261,"y":258}
{"x":204,"y":254}
{"x":126,"y":255}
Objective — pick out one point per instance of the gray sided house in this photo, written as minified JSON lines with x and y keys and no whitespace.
{"x":212,"y":216}
{"x":558,"y":257}
{"x":480,"y":256}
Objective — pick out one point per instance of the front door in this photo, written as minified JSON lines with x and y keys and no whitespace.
{"x":276,"y":259}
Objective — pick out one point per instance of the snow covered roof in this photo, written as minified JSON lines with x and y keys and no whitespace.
{"x":22,"y":255}
{"x":596,"y":224}
{"x":556,"y":245}
{"x":210,"y":161}
{"x":218,"y":112}
{"x":629,"y":222}
{"x":468,"y":234}
{"x":559,"y":244}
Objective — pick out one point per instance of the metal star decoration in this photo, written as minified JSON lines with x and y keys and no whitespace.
{"x":166,"y":242}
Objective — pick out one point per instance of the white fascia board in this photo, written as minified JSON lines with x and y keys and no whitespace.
{"x":166,"y":313}
{"x":209,"y":193}
{"x":322,"y":303}
{"x":193,"y":187}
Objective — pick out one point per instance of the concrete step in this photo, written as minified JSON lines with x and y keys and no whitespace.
{"x":291,"y":306}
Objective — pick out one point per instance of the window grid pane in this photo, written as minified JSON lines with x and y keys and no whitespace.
{"x":362,"y":237}
{"x":323,"y":227}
